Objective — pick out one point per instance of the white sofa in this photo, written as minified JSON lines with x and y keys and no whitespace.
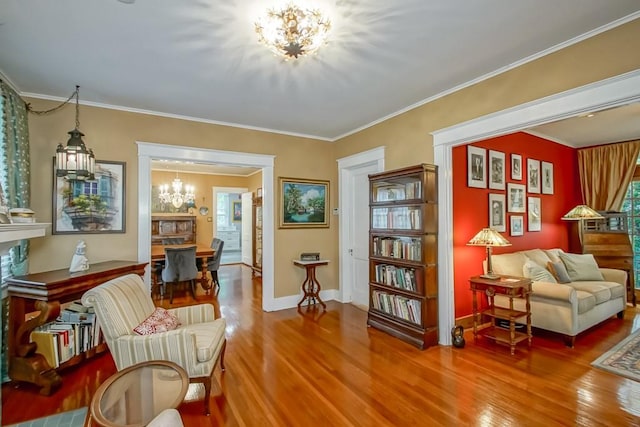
{"x":565,"y":308}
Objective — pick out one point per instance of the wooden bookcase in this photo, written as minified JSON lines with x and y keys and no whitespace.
{"x":257,"y":236}
{"x":403,"y":255}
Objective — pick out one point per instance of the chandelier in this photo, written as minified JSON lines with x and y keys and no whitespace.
{"x":292,"y":31}
{"x":177,"y":198}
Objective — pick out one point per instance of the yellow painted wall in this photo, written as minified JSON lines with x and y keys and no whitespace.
{"x":407,"y":137}
{"x":112,"y":134}
{"x":203,"y":184}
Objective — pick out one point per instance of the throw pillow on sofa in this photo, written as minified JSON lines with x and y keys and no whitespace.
{"x":581,"y":267}
{"x":537,"y":273}
{"x":559,"y":271}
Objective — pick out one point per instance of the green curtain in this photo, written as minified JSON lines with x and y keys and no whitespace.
{"x":15,"y":169}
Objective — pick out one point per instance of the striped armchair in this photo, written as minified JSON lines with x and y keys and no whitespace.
{"x":196,"y":345}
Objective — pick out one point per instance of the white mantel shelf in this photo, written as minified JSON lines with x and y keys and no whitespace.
{"x":11,"y":234}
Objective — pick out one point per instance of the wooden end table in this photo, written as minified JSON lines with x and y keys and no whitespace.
{"x":512,"y":287}
{"x":311,"y":286}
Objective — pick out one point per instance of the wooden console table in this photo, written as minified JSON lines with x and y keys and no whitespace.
{"x":45,"y":292}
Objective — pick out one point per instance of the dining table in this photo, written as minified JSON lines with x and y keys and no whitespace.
{"x":203,"y":253}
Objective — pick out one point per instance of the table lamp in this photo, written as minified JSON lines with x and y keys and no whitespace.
{"x":488,"y":237}
{"x":581,"y":212}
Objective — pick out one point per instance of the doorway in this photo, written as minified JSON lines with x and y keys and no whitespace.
{"x":607,"y":93}
{"x":147,"y":151}
{"x":228,"y":222}
{"x":354,"y":232}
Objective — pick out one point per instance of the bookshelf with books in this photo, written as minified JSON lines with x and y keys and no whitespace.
{"x":48,"y":330}
{"x":403,"y":274}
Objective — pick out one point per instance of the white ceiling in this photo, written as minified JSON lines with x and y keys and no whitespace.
{"x":199,"y":59}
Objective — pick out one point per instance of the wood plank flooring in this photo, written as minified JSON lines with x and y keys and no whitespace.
{"x":291,"y":368}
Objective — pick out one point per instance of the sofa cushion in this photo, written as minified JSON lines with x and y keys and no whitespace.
{"x":509,"y":264}
{"x":601,"y":292}
{"x":208,"y":338}
{"x":581,"y":267}
{"x":554,"y":254}
{"x":538,"y":256}
{"x":559,"y":271}
{"x":537,"y":273}
{"x":586,"y":301}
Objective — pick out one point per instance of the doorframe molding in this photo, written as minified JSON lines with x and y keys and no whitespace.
{"x":345,"y":165}
{"x":148,"y":151}
{"x":608,"y":93}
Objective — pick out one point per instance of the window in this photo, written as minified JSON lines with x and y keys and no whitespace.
{"x":631,"y":205}
{"x":222,"y":211}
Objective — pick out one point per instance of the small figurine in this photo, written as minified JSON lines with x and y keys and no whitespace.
{"x":79,"y":262}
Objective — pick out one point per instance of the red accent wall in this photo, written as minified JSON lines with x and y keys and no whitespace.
{"x":471,"y":206}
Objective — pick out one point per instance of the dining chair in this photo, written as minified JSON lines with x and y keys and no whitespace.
{"x":214,"y":263}
{"x":173,"y":241}
{"x":180,"y":266}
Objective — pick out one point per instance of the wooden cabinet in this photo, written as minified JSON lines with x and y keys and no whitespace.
{"x":608,"y":240}
{"x":403,"y":254}
{"x":45,"y":292}
{"x":173,"y":226}
{"x":257,"y":235}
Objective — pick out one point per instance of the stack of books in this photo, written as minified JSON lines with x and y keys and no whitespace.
{"x":74,"y":332}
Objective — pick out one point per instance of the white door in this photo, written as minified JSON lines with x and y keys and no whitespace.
{"x":247,"y":228}
{"x":354,"y":223}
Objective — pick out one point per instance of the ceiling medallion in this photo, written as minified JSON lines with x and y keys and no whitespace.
{"x":292,"y":32}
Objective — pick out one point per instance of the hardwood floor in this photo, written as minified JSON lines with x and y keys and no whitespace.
{"x":291,"y":368}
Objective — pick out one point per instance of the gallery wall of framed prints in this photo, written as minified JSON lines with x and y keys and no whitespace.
{"x":514,"y":183}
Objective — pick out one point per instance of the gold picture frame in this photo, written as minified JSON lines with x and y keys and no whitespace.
{"x":303,"y":203}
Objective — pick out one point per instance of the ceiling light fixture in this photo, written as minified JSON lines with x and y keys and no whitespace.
{"x":74,"y":162}
{"x":292,"y":32}
{"x":177,"y":198}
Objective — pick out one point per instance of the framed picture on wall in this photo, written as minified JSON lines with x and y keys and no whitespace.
{"x":90,"y":207}
{"x":496,"y":170}
{"x":516,"y":167}
{"x":533,"y":176}
{"x":534,"y":215}
{"x":517,"y":225}
{"x":476,"y":167}
{"x":547,"y":177}
{"x":516,"y":193}
{"x":497,"y":212}
{"x":304,"y":203}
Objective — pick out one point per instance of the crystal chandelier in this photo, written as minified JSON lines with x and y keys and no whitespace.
{"x":292,"y":31}
{"x":177,"y":198}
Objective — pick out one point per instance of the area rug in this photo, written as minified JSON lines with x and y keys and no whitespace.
{"x":623,"y":359}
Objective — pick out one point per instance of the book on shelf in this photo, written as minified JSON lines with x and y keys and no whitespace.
{"x":47,"y":345}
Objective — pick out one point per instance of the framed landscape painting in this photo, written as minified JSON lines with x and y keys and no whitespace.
{"x":89,"y":207}
{"x":303,"y":203}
